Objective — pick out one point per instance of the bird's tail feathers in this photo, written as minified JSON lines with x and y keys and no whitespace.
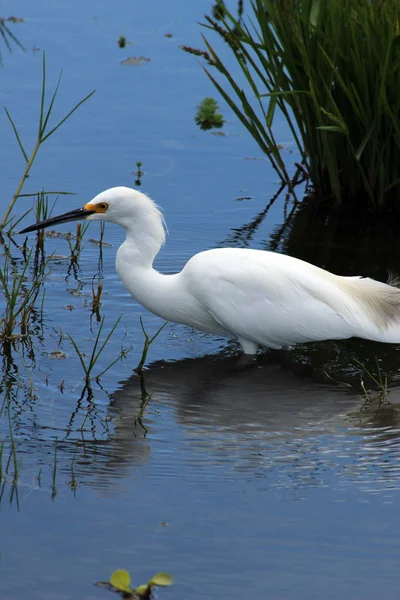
{"x":379,"y":302}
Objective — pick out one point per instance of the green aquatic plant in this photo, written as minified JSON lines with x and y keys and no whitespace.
{"x":380,"y":396}
{"x":207,"y":115}
{"x":43,"y":133}
{"x":54,"y":473}
{"x":97,"y":350}
{"x":96,"y":300}
{"x":139,"y":173}
{"x":120,"y":581}
{"x":122,"y":41}
{"x":147,"y":343}
{"x":331,"y":70}
{"x":20,"y":295}
{"x":75,"y":242}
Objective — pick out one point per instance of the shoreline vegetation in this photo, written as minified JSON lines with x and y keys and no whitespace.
{"x":332,"y":69}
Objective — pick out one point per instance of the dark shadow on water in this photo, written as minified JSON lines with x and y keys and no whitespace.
{"x":346,"y":242}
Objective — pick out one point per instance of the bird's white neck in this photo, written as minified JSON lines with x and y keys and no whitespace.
{"x":168,"y":296}
{"x":144,"y":238}
{"x":153,"y":290}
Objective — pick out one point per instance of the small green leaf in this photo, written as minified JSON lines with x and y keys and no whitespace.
{"x":143,"y":590}
{"x":331,"y":128}
{"x":163,"y":579}
{"x":121,"y":580}
{"x":314,"y":13}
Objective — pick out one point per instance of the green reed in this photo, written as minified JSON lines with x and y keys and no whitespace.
{"x":75,"y":242}
{"x":146,"y":345}
{"x":380,"y":383}
{"x":20,"y":295}
{"x":97,"y":350}
{"x":45,"y":130}
{"x":332,"y":69}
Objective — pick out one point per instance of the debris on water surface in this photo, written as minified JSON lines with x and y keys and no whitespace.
{"x":99,"y":243}
{"x":76,"y":292}
{"x":52,"y":233}
{"x":57,"y":354}
{"x":168,"y":35}
{"x":241,"y":198}
{"x":135,"y":61}
{"x":11,"y":19}
{"x":69,"y":307}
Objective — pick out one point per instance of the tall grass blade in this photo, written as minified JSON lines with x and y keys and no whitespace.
{"x":17,"y":136}
{"x":68,"y":115}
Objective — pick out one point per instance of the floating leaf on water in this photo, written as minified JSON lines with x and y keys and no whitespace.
{"x":121,"y":580}
{"x":143,"y":590}
{"x":135,"y":61}
{"x":162,"y":579}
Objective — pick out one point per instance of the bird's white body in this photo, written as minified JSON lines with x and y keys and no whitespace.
{"x":261,"y":298}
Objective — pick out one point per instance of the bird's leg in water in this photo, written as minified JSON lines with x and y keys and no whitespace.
{"x":249,"y":347}
{"x":246,"y":361}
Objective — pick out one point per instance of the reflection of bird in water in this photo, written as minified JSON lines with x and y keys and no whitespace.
{"x":210,"y":391}
{"x":264,"y":418}
{"x":261,"y":298}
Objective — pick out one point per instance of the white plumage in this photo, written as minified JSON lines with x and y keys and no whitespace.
{"x":261,"y":298}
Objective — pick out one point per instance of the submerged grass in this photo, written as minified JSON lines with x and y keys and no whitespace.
{"x":332,"y":69}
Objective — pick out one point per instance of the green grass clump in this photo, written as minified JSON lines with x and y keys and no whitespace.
{"x":19,"y":293}
{"x":332,"y":69}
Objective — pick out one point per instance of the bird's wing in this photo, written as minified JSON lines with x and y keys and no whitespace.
{"x":271,"y":299}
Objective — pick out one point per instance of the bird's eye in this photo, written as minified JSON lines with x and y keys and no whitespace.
{"x":102,"y":206}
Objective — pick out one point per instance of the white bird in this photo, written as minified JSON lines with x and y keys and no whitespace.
{"x":261,"y":298}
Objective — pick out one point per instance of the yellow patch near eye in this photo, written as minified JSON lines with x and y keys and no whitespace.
{"x":99,"y":208}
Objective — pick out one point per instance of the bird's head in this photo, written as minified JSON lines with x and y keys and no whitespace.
{"x":121,"y":205}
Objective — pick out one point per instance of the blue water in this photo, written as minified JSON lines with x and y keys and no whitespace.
{"x":246,"y":483}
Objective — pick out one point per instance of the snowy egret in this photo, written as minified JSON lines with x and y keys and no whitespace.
{"x":261,"y":298}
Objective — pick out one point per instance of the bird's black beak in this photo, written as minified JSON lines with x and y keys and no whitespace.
{"x":73,"y":215}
